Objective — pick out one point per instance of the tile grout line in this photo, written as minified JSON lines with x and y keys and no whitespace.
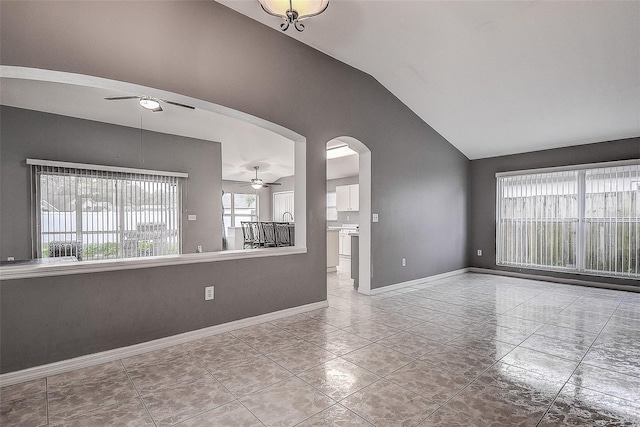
{"x":137,"y":392}
{"x":46,"y":397}
{"x":578,"y":365}
{"x":471,"y":382}
{"x":236,"y":399}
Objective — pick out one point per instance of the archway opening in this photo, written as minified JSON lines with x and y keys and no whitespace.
{"x":349,"y":213}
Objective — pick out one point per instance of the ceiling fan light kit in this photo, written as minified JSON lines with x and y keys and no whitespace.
{"x":257,"y":183}
{"x":149,"y":104}
{"x":294,"y":11}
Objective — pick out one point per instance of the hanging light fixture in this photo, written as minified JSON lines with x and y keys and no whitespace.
{"x":256,"y":183}
{"x":294,"y":11}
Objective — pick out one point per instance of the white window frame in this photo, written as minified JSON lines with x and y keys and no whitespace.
{"x":232,"y":215}
{"x":149,"y":236}
{"x":580,"y":172}
{"x":332,"y":215}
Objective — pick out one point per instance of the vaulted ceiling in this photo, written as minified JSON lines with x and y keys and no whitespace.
{"x":493,"y":78}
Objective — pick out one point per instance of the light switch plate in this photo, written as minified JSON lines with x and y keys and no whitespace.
{"x":208,"y":293}
{"x":375,"y":217}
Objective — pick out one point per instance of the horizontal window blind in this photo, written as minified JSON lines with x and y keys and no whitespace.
{"x":583,"y":220}
{"x":100,"y":214}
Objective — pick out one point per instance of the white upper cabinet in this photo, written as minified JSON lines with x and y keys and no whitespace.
{"x":348,"y":198}
{"x":354,"y":197}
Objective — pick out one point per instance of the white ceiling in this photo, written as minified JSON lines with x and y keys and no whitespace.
{"x":493,"y":77}
{"x":244,"y":144}
{"x":343,"y":167}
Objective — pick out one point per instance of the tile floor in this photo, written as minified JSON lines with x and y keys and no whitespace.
{"x":471,"y":350}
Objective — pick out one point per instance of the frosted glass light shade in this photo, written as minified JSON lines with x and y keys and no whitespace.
{"x":149,"y":104}
{"x":305,"y":8}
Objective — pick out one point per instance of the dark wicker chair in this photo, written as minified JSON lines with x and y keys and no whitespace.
{"x":65,"y":248}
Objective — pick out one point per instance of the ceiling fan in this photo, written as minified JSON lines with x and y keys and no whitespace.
{"x":257,"y":183}
{"x":150,"y":103}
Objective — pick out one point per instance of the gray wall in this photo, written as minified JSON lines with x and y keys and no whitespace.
{"x":207,"y":51}
{"x":31,"y":134}
{"x":343,"y":217}
{"x":483,"y":194}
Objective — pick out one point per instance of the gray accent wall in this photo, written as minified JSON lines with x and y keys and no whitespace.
{"x":207,"y":51}
{"x":36,"y":135}
{"x":483,"y":195}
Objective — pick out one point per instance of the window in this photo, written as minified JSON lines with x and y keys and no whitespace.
{"x":97,"y":212}
{"x":332,"y":210}
{"x":238,"y":208}
{"x":582,"y":219}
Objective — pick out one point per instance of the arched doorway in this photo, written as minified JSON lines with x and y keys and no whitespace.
{"x":364,"y":206}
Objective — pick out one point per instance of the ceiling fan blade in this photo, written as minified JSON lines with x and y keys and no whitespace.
{"x":274,"y":183}
{"x":117,"y":98}
{"x":178,"y":104}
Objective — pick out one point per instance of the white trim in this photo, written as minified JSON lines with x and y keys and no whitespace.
{"x":570,"y":168}
{"x":133,"y":350}
{"x":421,"y":281}
{"x":104,"y":168}
{"x":553,"y":279}
{"x":365,"y":267}
{"x":39,"y":74}
{"x":300,"y":200}
{"x":43,"y":270}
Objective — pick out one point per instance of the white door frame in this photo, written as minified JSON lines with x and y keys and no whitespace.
{"x":364,"y":178}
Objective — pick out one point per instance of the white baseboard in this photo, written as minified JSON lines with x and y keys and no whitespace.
{"x":420,"y":281}
{"x":55,"y":368}
{"x":552,"y":279}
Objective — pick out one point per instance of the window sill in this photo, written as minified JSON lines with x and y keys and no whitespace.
{"x":30,"y":271}
{"x":566,"y":270}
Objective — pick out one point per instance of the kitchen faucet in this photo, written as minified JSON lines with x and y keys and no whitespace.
{"x":284,"y":216}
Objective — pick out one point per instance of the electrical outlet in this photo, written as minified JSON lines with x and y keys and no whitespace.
{"x":375,"y":217}
{"x":199,"y":249}
{"x":479,"y":252}
{"x":193,"y":217}
{"x":10,"y":258}
{"x":404,"y":262}
{"x":208,"y":293}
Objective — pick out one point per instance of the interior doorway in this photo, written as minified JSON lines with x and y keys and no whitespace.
{"x":349,"y":213}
